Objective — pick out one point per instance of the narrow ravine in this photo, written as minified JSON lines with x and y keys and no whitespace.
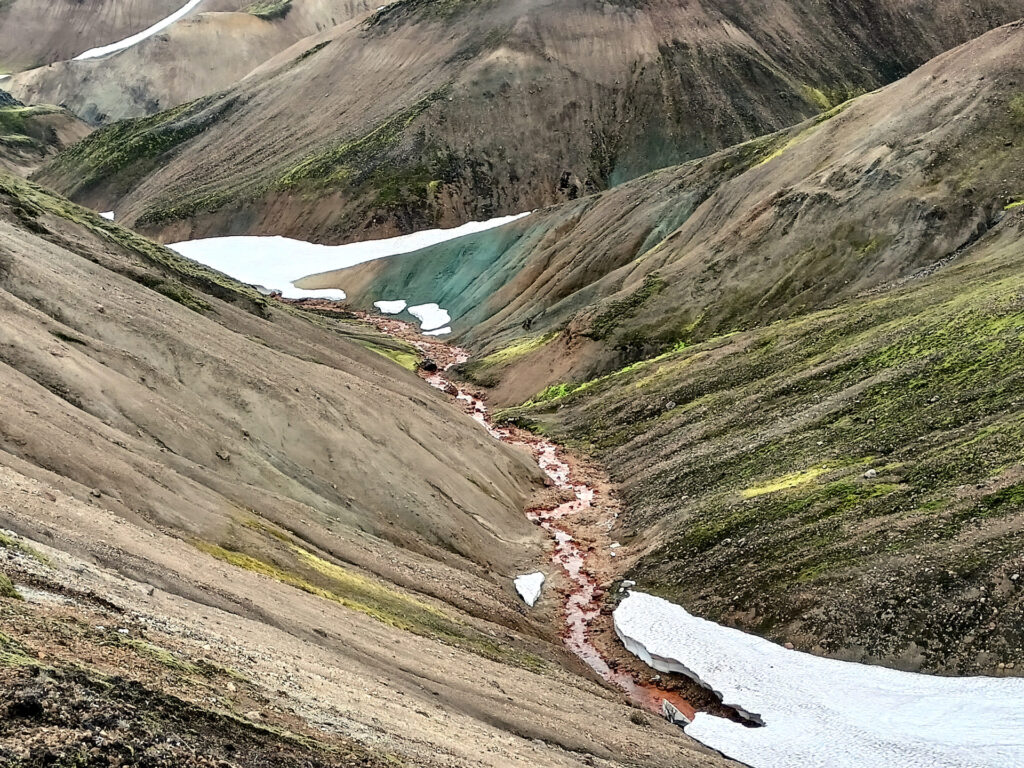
{"x":582,"y":603}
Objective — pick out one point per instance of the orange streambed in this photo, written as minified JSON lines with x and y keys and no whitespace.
{"x":582,"y":605}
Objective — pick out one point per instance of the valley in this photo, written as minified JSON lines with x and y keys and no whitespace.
{"x":523,"y":384}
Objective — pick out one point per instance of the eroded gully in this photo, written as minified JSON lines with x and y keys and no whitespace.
{"x":582,"y":603}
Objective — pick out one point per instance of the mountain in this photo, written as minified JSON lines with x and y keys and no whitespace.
{"x":30,"y":134}
{"x":35,"y":34}
{"x":183,"y":62}
{"x":247,"y":533}
{"x":433,"y":114}
{"x":799,"y":358}
{"x":875,"y":191}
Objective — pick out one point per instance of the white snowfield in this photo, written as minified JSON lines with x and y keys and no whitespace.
{"x":108,"y":215}
{"x":277,"y":262}
{"x":529,"y":587}
{"x":824,"y":713}
{"x":390,"y":307}
{"x":128,"y":42}
{"x":431,"y":316}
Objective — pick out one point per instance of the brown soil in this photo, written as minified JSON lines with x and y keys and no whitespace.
{"x":34,"y":34}
{"x":242,"y":486}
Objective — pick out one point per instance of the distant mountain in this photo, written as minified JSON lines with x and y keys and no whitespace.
{"x":438,"y":113}
{"x":209,"y":50}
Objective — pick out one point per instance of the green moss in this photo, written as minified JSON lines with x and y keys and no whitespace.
{"x":31,"y":203}
{"x":406,"y":357}
{"x":1014,"y":204}
{"x":402,"y":11}
{"x":1016,"y":109}
{"x":747,"y":452}
{"x":156,"y":653}
{"x":792,"y":480}
{"x":614,"y":312}
{"x":7,"y":589}
{"x":8,"y":542}
{"x":368,"y":596}
{"x":181,"y":208}
{"x":269,"y":9}
{"x":355,"y":160}
{"x":520,"y":348}
{"x":174,"y":291}
{"x":816,"y":97}
{"x":13,"y":653}
{"x":123,"y":153}
{"x":17,"y":120}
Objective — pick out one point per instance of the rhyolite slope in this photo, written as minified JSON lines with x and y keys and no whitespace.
{"x":433,"y":114}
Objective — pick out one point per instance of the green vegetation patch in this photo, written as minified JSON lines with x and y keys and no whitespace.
{"x":408,"y":357}
{"x":779,"y":463}
{"x":13,"y":653}
{"x":518,"y":349}
{"x":270,"y":9}
{"x":614,"y":312}
{"x":123,"y":153}
{"x":30,"y":203}
{"x":9,"y":542}
{"x":792,"y":480}
{"x":7,"y":589}
{"x":359,"y":161}
{"x":18,"y":128}
{"x":404,"y":11}
{"x":361,"y":593}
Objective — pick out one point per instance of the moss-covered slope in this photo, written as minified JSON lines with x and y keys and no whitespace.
{"x":852,"y":480}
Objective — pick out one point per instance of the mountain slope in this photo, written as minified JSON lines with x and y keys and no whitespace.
{"x":459,"y":111}
{"x":243,"y":517}
{"x":28,"y":135}
{"x":184,"y":62}
{"x":800,"y":358}
{"x":888,"y":185}
{"x":35,"y":34}
{"x":851,"y":480}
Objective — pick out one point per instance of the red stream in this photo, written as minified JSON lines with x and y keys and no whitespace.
{"x":582,"y":601}
{"x":582,"y":605}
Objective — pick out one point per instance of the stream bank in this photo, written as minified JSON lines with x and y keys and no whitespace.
{"x":580,"y":529}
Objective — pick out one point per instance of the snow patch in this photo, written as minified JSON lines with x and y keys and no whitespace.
{"x":390,"y":307}
{"x":817,"y":711}
{"x":439,"y":332}
{"x":431,"y":316}
{"x":529,"y":587}
{"x":128,"y":42}
{"x":108,"y":215}
{"x":278,"y":262}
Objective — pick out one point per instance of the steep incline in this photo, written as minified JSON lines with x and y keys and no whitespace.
{"x":232,"y":507}
{"x":851,"y":480}
{"x":30,"y":134}
{"x":890,"y":184}
{"x":811,"y":353}
{"x":438,"y":113}
{"x":34,"y":34}
{"x":206,"y":52}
